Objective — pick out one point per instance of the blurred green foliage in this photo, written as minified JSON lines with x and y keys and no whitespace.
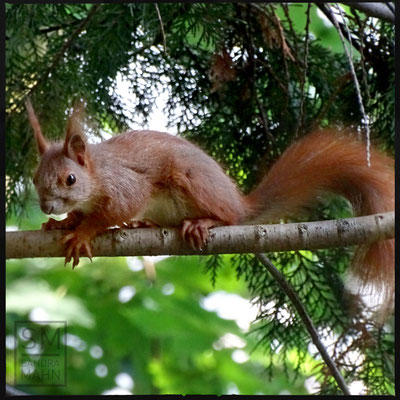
{"x":162,"y":336}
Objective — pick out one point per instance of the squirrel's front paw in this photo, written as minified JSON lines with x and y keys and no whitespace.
{"x":77,"y":244}
{"x":68,"y":223}
{"x":52,"y":224}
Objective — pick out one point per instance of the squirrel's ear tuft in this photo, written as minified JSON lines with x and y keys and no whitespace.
{"x":75,"y":146}
{"x":41,"y":142}
{"x":77,"y":149}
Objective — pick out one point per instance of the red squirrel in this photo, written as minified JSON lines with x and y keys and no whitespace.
{"x":157,"y":179}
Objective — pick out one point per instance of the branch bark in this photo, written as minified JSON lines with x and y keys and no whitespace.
{"x":379,"y":10}
{"x":223,"y":240}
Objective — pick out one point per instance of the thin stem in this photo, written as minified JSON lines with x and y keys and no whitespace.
{"x":280,"y":279}
{"x":356,"y":84}
{"x":303,"y":79}
{"x":252,"y":59}
{"x":162,"y":27}
{"x":11,"y":391}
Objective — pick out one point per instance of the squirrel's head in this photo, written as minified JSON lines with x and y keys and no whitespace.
{"x":63,"y":179}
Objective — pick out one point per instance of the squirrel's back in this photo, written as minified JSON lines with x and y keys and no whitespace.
{"x":186,"y":182}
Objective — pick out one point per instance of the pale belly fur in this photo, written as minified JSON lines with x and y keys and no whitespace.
{"x":168,"y":208}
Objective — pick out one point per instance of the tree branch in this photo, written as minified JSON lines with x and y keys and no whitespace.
{"x":280,"y":279}
{"x":11,"y":391}
{"x":223,"y":240}
{"x":379,"y":10}
{"x":65,"y":47}
{"x":325,"y":8}
{"x":44,"y":31}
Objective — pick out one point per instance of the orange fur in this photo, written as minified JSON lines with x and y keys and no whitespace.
{"x":328,"y":161}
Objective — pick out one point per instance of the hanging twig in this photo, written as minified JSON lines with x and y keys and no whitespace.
{"x":162,"y":28}
{"x":273,"y":74}
{"x":283,"y":46}
{"x":252,"y":59}
{"x":340,"y":84}
{"x":365,"y":119}
{"x":264,"y":119}
{"x":362,"y":44}
{"x":304,"y":76}
{"x":289,"y":291}
{"x":289,"y":20}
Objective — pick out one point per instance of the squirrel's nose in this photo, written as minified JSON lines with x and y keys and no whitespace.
{"x":46,"y":208}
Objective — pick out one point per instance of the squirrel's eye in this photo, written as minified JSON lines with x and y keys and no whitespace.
{"x":71,"y":179}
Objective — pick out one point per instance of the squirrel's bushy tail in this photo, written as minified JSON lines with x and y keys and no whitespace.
{"x":328,"y":161}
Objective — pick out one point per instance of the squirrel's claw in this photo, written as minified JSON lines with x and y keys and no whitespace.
{"x":67,"y":237}
{"x":76,"y":246}
{"x":195,"y":231}
{"x":67,"y":260}
{"x":76,"y":260}
{"x":88,"y":251}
